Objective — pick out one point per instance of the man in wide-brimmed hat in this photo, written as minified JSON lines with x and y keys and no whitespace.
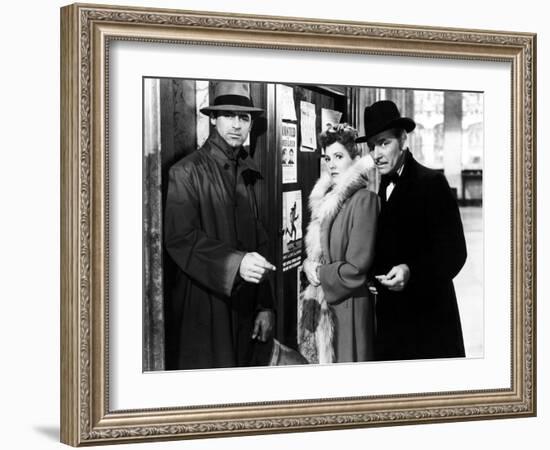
{"x":223,"y":298}
{"x":420,"y":246}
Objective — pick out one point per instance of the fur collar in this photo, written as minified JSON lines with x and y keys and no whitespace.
{"x":327,"y":197}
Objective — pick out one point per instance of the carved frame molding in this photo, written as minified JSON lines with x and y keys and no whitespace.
{"x":86,"y":32}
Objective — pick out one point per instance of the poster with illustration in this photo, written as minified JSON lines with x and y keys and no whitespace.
{"x":292,"y":229}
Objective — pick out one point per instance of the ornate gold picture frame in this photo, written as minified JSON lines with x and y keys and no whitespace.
{"x":87,"y":416}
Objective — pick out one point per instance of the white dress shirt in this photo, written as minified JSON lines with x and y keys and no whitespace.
{"x":390,"y":186}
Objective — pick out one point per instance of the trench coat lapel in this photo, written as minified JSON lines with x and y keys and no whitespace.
{"x":222,"y":171}
{"x":246,"y":168}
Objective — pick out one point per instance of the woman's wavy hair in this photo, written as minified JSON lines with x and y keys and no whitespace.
{"x":343,"y":134}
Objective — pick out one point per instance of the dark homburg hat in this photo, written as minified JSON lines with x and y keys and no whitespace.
{"x":382,"y":116}
{"x":232,"y":96}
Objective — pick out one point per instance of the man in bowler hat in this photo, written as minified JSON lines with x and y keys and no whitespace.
{"x":222,"y":299}
{"x":420,"y":247}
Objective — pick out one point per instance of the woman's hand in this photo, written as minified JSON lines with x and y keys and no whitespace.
{"x":310,"y":269}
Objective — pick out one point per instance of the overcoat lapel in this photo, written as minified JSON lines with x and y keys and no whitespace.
{"x":400,"y":189}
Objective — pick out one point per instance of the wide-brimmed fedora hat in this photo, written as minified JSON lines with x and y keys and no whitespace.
{"x":232,"y":96}
{"x":382,"y":116}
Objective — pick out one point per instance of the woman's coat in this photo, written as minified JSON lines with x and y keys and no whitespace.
{"x":341,"y":236}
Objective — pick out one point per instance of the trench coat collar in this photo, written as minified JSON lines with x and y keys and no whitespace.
{"x":222,"y":151}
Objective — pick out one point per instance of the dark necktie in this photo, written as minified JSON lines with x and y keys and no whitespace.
{"x":391,"y":178}
{"x":385,"y":181}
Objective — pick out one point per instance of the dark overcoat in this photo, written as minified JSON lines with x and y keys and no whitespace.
{"x":211,"y":222}
{"x":420,"y":226}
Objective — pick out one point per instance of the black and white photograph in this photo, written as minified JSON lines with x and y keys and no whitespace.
{"x":275,"y":225}
{"x":384,"y":217}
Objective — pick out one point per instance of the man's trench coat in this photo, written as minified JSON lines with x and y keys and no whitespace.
{"x":211,"y":222}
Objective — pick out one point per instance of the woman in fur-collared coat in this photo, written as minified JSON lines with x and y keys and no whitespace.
{"x":336,"y":321}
